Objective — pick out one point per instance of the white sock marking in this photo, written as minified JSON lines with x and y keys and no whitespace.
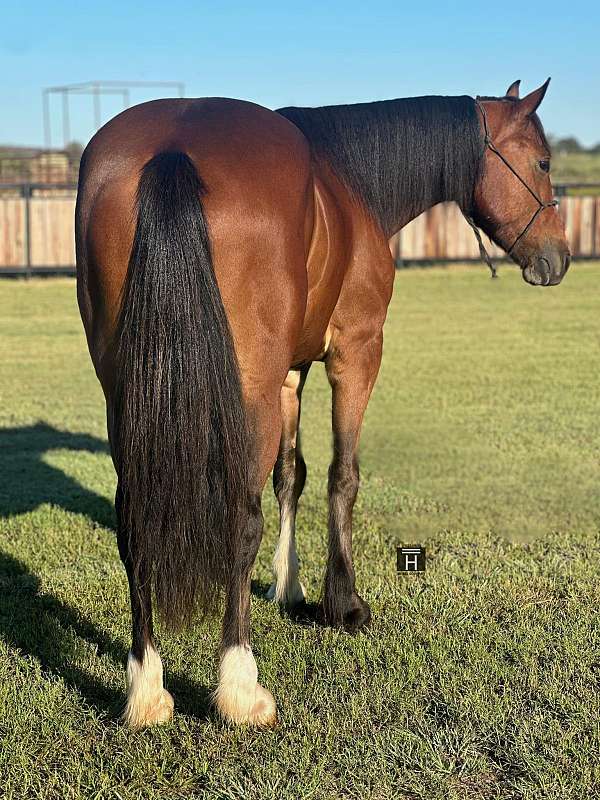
{"x":287,"y":589}
{"x":239,"y":697}
{"x":148,"y":703}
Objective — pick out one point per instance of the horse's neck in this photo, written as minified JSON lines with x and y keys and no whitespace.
{"x":398,"y":157}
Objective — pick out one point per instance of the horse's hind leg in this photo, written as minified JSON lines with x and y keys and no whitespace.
{"x":239,"y":697}
{"x":148,"y":702}
{"x":289,"y":476}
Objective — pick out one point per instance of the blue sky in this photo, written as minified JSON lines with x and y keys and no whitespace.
{"x":304,"y":53}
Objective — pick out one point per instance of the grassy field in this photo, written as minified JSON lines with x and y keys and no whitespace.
{"x":479,"y":679}
{"x":574,"y":167}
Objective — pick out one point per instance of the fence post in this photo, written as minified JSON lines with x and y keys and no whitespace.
{"x":595,"y":227}
{"x":27,"y":239}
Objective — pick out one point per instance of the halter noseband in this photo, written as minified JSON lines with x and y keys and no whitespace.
{"x":541,"y":205}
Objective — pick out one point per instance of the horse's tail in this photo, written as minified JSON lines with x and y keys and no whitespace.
{"x":180,"y":429}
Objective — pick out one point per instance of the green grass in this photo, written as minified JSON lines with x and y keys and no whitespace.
{"x":576,"y":167}
{"x":479,"y":679}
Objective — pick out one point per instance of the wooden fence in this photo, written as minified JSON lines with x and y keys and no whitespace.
{"x":36,"y":231}
{"x":37,"y":228}
{"x":442,"y":234}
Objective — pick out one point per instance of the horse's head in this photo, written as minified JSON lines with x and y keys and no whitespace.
{"x":513,"y":198}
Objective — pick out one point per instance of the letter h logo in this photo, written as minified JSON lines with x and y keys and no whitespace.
{"x":410,"y":559}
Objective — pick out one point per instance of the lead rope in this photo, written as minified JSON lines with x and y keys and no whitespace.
{"x":485,"y":256}
{"x":541,"y":205}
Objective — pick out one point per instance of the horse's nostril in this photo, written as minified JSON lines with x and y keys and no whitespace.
{"x":544,"y":269}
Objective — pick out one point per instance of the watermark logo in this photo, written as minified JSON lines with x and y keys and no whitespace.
{"x":410,"y":559}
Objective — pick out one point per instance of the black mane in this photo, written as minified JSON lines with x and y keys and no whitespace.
{"x":398,"y":157}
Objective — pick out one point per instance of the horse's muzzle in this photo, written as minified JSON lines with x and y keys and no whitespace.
{"x":547,"y":269}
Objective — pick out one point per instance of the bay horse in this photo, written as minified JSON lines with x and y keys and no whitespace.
{"x":222,"y":248}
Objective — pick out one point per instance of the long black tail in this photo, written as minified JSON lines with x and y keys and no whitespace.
{"x":179,"y":424}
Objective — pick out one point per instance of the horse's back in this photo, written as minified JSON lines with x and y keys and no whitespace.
{"x":221,"y":134}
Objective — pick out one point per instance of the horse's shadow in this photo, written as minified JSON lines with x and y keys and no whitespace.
{"x":307,"y":613}
{"x":27,"y":481}
{"x":39,"y":624}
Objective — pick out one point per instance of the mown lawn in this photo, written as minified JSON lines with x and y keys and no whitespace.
{"x":479,"y":679}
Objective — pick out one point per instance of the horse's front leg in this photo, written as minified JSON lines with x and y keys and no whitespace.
{"x":289,"y":476}
{"x":352,"y":370}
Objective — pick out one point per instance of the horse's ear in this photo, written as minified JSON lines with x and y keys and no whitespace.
{"x":513,"y":90}
{"x":529,"y":105}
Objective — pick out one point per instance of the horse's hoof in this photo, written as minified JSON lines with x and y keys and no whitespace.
{"x":271,"y":591}
{"x":357,"y":617}
{"x":148,"y":703}
{"x":289,"y":597}
{"x":239,"y":697}
{"x":156,"y":711}
{"x":261,"y":712}
{"x":354,"y":617}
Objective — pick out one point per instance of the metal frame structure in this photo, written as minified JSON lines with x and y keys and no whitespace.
{"x":95,"y":89}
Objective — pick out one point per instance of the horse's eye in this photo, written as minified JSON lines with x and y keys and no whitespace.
{"x":544,"y":165}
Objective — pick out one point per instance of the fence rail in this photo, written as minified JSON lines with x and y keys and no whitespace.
{"x":36,"y":230}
